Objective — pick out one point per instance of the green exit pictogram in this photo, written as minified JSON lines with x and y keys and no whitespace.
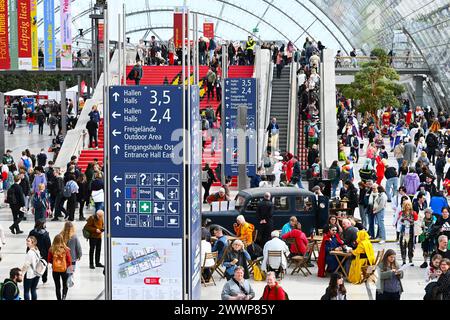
{"x":255,"y":30}
{"x":145,"y":207}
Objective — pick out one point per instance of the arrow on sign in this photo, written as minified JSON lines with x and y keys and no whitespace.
{"x":116,"y":149}
{"x":228,"y":82}
{"x":117,"y":220}
{"x":116,"y":179}
{"x":117,"y":205}
{"x":117,"y":192}
{"x":116,"y":133}
{"x":115,"y":115}
{"x":116,"y":96}
{"x":227,"y":98}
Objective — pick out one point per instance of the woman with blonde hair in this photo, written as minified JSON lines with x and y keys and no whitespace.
{"x":72,"y":241}
{"x":236,"y":256}
{"x":424,"y":158}
{"x":405,"y":226}
{"x":59,"y":257}
{"x":31,"y":277}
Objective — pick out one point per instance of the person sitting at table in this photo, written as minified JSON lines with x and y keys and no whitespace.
{"x":289,"y":225}
{"x":336,"y":289}
{"x":273,"y":291}
{"x":332,"y":222}
{"x":244,"y":231}
{"x":363,"y":256}
{"x":301,"y":242}
{"x":349,"y":234}
{"x":236,"y":256}
{"x":331,"y":241}
{"x":218,"y":196}
{"x":274,"y":263}
{"x":221,"y":243}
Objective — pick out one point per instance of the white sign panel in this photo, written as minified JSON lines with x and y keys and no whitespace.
{"x":147,"y":269}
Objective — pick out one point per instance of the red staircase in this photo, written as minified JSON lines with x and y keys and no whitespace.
{"x":87,"y":156}
{"x":166,"y":75}
{"x":171,"y":75}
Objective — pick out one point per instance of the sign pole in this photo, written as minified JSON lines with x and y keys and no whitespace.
{"x":62,"y":88}
{"x":124,"y":39}
{"x":2,"y":121}
{"x":119,"y":36}
{"x":242,"y":147}
{"x":107,"y":168}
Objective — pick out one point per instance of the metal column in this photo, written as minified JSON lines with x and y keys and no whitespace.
{"x":107,"y":216}
{"x":62,"y":88}
{"x":2,"y":121}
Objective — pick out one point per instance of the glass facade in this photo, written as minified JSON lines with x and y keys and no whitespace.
{"x":421,"y":26}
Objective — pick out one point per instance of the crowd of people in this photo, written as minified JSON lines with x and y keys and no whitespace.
{"x":34,"y":189}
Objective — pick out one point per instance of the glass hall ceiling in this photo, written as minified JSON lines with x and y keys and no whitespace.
{"x":339,"y":24}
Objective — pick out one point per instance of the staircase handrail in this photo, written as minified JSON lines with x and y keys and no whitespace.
{"x":292,"y":116}
{"x":74,"y":140}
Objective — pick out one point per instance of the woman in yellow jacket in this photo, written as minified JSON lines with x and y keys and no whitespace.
{"x":363,"y":256}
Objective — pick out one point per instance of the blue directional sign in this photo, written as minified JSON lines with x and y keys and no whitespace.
{"x":146,"y":163}
{"x":195,"y":202}
{"x":240,"y":92}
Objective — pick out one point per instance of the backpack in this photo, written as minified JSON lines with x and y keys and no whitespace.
{"x":27,"y":163}
{"x":267,"y":162}
{"x":205,"y":176}
{"x":2,"y":285}
{"x":67,"y":193}
{"x":41,"y":266}
{"x":59,"y":263}
{"x":311,"y":132}
{"x":205,"y":124}
{"x":11,"y":197}
{"x":86,"y":232}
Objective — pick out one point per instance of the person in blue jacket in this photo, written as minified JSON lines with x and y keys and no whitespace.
{"x":438,"y":202}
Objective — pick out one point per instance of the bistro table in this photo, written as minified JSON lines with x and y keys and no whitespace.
{"x":341,"y":262}
{"x":316,"y":240}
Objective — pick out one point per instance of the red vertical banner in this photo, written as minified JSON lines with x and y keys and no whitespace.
{"x":101,"y":32}
{"x":5,"y":60}
{"x":24,"y":30}
{"x":208,"y":30}
{"x":178,"y":29}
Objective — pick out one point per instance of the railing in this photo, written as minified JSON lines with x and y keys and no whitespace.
{"x":74,"y":142}
{"x":292,"y":116}
{"x":398,"y":62}
{"x":265,"y":113}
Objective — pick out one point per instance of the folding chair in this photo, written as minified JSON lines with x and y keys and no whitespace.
{"x":289,"y":242}
{"x":209,"y":256}
{"x":369,"y":271}
{"x":302,"y":262}
{"x":278,"y":254}
{"x":218,"y":266}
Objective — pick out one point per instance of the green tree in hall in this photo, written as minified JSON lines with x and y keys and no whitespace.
{"x":376,"y":85}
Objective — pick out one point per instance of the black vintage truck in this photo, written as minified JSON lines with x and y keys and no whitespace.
{"x":287,"y":201}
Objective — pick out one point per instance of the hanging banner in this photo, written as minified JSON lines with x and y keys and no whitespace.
{"x":178,"y":28}
{"x":49,"y":35}
{"x":208,"y":30}
{"x":13,"y":45}
{"x":24,"y":28}
{"x":66,"y":35}
{"x":34,"y":35}
{"x":5,"y":60}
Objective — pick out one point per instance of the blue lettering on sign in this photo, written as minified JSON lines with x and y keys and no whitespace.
{"x":142,"y":154}
{"x":240,"y":92}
